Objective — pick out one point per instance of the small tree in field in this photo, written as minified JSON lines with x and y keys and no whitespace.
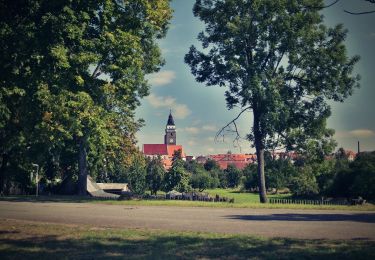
{"x":155,"y":175}
{"x":177,"y":177}
{"x":278,"y":60}
{"x":233,"y":176}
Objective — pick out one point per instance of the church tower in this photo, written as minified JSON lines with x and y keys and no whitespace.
{"x":170,"y":131}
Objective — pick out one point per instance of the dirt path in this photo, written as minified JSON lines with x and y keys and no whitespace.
{"x":309,"y":224}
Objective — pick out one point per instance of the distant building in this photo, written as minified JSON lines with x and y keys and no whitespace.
{"x":351,"y":155}
{"x":190,"y":158}
{"x":201,"y":159}
{"x":166,"y":150}
{"x":238,"y":160}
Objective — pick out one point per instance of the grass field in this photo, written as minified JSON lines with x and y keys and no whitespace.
{"x":241,"y":200}
{"x":243,"y":197}
{"x":26,"y":240}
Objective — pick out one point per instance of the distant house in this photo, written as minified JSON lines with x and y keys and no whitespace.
{"x":201,"y":159}
{"x":165,"y":151}
{"x":190,"y":158}
{"x":238,"y":160}
{"x":351,"y":155}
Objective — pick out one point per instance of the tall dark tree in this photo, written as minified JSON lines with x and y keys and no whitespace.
{"x":278,"y":60}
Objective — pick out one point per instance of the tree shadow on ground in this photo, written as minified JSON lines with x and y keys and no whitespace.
{"x":181,"y":247}
{"x":353,"y":217}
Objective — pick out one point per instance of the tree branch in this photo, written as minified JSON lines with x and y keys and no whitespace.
{"x":278,"y":63}
{"x":324,"y":6}
{"x":359,"y":13}
{"x":96,"y":71}
{"x":220,"y":132}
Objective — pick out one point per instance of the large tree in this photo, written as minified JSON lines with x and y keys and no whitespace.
{"x":78,"y":70}
{"x":278,"y":60}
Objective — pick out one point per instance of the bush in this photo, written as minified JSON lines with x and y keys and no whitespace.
{"x":201,"y":180}
{"x":304,"y":183}
{"x":233,"y":176}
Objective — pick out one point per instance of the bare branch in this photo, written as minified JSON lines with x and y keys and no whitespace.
{"x":232,"y":122}
{"x":359,"y":13}
{"x":96,"y":71}
{"x":331,"y":4}
{"x":278,"y":63}
{"x":324,"y":6}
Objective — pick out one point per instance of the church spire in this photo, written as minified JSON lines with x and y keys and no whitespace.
{"x":170,"y":131}
{"x":170,"y":119}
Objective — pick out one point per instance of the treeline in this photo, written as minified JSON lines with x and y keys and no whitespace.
{"x":72,"y":75}
{"x":336,"y":177}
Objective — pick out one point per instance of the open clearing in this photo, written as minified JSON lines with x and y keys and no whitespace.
{"x":302,"y":224}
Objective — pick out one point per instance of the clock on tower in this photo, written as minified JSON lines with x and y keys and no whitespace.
{"x":170,"y":131}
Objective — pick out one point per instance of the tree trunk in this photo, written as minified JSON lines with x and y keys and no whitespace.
{"x":4,"y":163}
{"x":259,"y":147}
{"x":82,"y":166}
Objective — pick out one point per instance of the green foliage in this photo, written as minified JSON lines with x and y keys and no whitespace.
{"x":363,"y":168}
{"x":211,"y":165}
{"x":155,"y":175}
{"x":177,"y":178}
{"x":201,"y":180}
{"x":250,"y":177}
{"x":304,"y":183}
{"x":279,"y":172}
{"x":137,"y":176}
{"x":278,"y":60}
{"x":233,"y":176}
{"x":72,"y":75}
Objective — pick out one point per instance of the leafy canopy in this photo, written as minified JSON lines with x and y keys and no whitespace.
{"x":74,"y":72}
{"x":279,"y":60}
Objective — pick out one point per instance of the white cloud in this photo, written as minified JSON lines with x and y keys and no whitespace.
{"x":157,"y":102}
{"x":362,"y":133}
{"x":357,"y":133}
{"x":211,"y":138}
{"x":191,"y":130}
{"x":209,"y":128}
{"x":196,"y":130}
{"x":179,"y":111}
{"x":161,"y":78}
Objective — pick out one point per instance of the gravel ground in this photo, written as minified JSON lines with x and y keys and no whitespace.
{"x":306,"y":224}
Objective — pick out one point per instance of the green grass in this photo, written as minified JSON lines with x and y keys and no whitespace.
{"x":25,"y":240}
{"x":243,"y":197}
{"x":255,"y":205}
{"x":241,"y":200}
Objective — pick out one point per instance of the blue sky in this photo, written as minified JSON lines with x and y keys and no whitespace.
{"x":200,"y":111}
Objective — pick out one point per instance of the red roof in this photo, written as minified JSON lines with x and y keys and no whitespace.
{"x":238,"y":160}
{"x":162,"y":149}
{"x":155,"y":149}
{"x":172,"y":148}
{"x":239,"y":165}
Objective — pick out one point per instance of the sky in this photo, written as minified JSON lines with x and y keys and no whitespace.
{"x":200,"y":112}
